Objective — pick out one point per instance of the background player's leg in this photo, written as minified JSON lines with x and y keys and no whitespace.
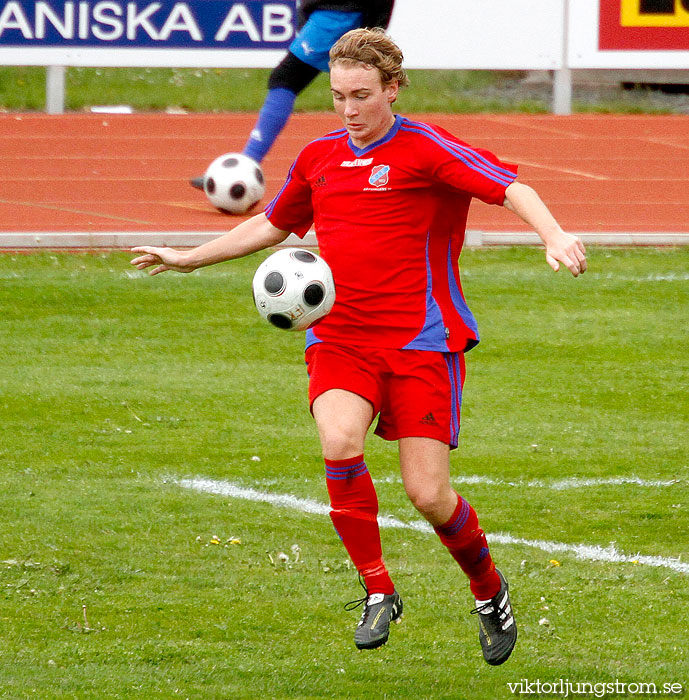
{"x":306,"y":58}
{"x":425,"y":467}
{"x":286,"y":81}
{"x":272,"y":118}
{"x":343,"y":419}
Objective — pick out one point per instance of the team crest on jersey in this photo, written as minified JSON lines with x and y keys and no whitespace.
{"x":379,"y":175}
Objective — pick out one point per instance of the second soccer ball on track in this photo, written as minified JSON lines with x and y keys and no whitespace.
{"x":233,"y":183}
{"x":293,"y":289}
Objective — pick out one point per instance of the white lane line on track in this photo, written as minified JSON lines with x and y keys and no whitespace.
{"x":569,"y":171}
{"x":284,"y":500}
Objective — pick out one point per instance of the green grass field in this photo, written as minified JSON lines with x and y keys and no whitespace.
{"x":115,"y":386}
{"x":22,"y":88}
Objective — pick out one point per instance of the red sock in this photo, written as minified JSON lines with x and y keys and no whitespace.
{"x":354,"y":514}
{"x":466,"y":541}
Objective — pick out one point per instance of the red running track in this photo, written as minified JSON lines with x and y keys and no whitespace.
{"x":94,"y":173}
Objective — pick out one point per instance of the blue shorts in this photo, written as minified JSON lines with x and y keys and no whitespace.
{"x":322,"y":29}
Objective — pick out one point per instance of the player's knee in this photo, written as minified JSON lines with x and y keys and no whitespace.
{"x":341,"y":442}
{"x":291,"y":74}
{"x":427,"y":497}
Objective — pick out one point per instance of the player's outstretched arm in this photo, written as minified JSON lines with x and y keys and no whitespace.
{"x":250,"y":236}
{"x":560,"y":247}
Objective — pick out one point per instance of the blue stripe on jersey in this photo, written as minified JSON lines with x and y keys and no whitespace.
{"x":358,"y":152}
{"x":311,"y":339}
{"x":459,"y":302}
{"x":271,"y":205}
{"x":332,"y":135}
{"x":469,"y":157}
{"x":467,"y":149}
{"x":328,"y":137}
{"x":432,"y":335}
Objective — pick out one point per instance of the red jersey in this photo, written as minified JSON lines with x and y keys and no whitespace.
{"x":390,"y":220}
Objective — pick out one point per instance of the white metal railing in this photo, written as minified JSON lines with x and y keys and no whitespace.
{"x":553,"y":35}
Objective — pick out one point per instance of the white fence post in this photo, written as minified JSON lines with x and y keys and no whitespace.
{"x":562,"y":78}
{"x":562,"y":91}
{"x":55,"y":89}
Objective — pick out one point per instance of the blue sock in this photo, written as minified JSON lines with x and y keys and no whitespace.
{"x":272,"y":118}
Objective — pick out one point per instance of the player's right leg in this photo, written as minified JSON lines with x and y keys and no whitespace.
{"x":343,"y":416}
{"x":343,"y":419}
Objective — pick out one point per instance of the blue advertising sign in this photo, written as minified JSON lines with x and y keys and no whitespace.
{"x":144,"y":24}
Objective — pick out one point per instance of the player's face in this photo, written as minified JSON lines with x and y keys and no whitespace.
{"x":363,"y":102}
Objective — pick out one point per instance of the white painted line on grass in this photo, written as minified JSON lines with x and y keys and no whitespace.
{"x":572,"y":482}
{"x":555,"y":485}
{"x":593,"y":552}
{"x":227,"y":488}
{"x":579,"y":483}
{"x":285,"y":500}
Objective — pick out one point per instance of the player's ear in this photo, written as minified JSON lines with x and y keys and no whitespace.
{"x":392,"y":88}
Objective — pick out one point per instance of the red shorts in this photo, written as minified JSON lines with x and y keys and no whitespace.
{"x":418,"y":393}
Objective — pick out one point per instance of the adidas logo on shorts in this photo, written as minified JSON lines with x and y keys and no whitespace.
{"x":429,"y":419}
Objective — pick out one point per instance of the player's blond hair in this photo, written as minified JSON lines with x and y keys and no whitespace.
{"x":374,"y":48}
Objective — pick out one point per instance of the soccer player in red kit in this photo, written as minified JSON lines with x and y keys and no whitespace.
{"x":388,"y":198}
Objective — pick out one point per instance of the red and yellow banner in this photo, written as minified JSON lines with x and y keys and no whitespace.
{"x":644,"y":25}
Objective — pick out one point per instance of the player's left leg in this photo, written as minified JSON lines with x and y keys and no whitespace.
{"x":424,"y":464}
{"x":421,"y":409}
{"x":425,"y":467}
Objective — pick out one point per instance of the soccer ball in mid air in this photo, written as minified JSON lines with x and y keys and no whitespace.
{"x":293,"y":289}
{"x":234,"y":183}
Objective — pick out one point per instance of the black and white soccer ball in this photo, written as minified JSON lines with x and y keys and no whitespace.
{"x":293,"y":289}
{"x":234,"y":183}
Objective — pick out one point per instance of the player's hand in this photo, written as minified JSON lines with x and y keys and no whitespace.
{"x":164,"y":258}
{"x":568,"y":250}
